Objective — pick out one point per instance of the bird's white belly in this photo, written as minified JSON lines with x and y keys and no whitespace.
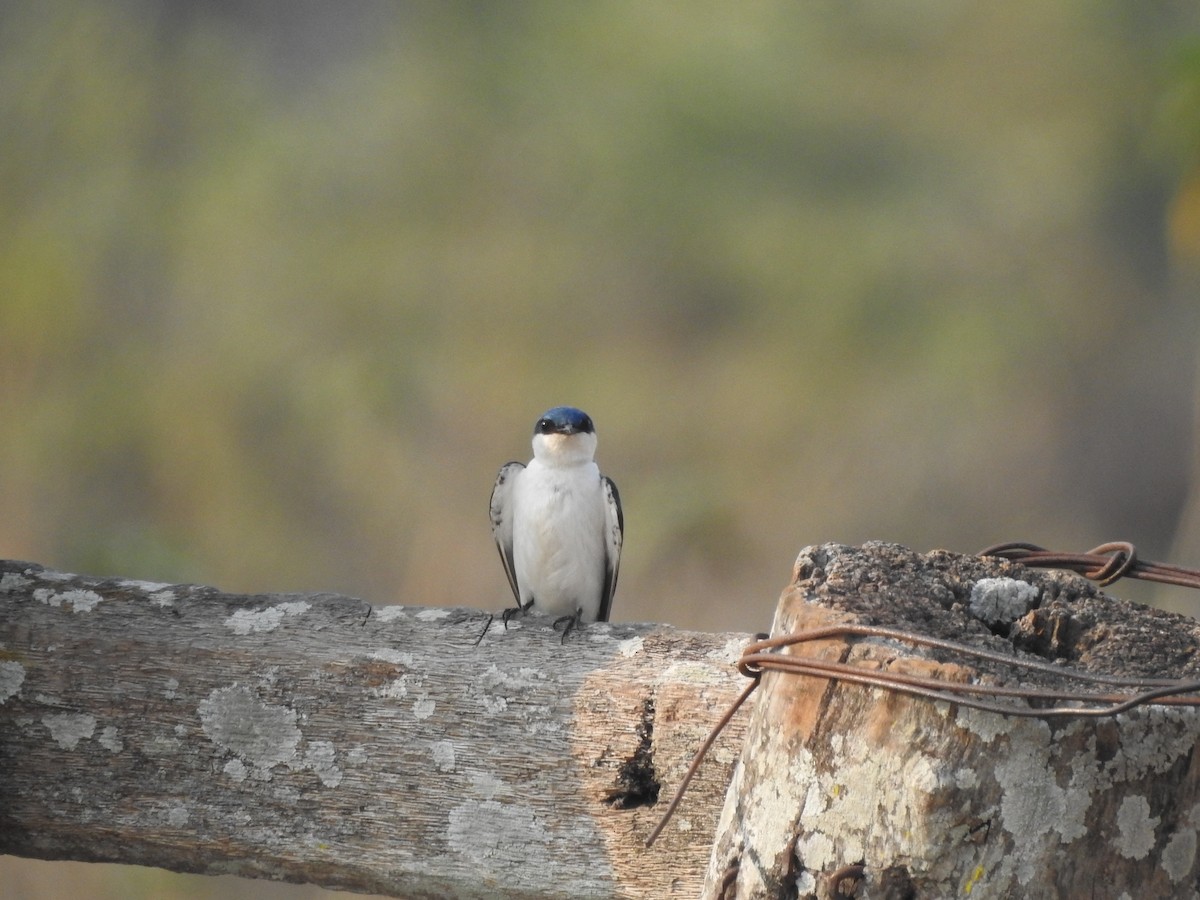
{"x":558,"y":541}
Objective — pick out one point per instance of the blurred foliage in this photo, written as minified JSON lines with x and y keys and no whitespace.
{"x":1178,"y":129}
{"x":281,"y":285}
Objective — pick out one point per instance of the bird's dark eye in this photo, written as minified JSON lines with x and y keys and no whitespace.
{"x":586,"y":425}
{"x":544,"y":426}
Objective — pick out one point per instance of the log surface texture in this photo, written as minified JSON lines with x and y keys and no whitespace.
{"x":315,"y":738}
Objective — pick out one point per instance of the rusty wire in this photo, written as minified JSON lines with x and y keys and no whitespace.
{"x":759,"y":657}
{"x":1103,"y":564}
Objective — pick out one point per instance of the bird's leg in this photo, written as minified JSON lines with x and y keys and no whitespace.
{"x":486,"y":626}
{"x":569,"y":623}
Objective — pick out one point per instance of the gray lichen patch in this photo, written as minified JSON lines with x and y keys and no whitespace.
{"x":1002,"y":600}
{"x":12,"y":676}
{"x":79,"y":600}
{"x":259,"y":733}
{"x":322,"y":759}
{"x":1135,"y":827}
{"x":245,"y":621}
{"x":110,"y":740}
{"x":11,"y":582}
{"x":1179,"y":855}
{"x":68,"y":729}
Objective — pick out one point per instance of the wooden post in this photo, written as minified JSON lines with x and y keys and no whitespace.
{"x":316,"y":738}
{"x":845,"y":788}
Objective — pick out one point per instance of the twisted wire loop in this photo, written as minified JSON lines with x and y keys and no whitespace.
{"x":1104,"y":564}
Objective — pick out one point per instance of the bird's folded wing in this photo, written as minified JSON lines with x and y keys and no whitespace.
{"x":502,"y":520}
{"x":614,"y":536}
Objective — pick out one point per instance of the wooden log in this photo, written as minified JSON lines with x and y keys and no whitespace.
{"x":315,"y":738}
{"x":845,"y":788}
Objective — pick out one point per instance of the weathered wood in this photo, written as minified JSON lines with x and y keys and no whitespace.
{"x":936,"y":800}
{"x":315,"y":738}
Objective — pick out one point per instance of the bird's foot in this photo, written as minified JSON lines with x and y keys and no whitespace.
{"x":514,"y":610}
{"x":504,"y":617}
{"x":569,"y":624}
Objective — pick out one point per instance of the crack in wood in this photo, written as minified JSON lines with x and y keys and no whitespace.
{"x":638,"y":783}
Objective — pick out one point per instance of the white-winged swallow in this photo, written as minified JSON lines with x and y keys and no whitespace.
{"x":558,"y":524}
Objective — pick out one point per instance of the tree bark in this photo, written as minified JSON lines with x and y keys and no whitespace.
{"x":315,"y":738}
{"x":930,"y":799}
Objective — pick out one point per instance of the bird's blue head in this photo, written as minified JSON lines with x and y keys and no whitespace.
{"x":564,"y":420}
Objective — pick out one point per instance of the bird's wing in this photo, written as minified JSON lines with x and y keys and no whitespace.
{"x":614,"y":536}
{"x":502,"y":520}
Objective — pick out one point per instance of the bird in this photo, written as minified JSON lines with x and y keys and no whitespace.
{"x":558,"y":525}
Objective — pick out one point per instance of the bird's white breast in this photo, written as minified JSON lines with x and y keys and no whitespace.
{"x":558,"y":538}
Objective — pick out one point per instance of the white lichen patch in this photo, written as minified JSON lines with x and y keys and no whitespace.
{"x":850,"y":801}
{"x":148,"y":587}
{"x":424,"y":708}
{"x":816,"y":849}
{"x":730,"y":653}
{"x":690,"y":672}
{"x":1135,"y":827}
{"x":488,"y":786}
{"x":11,"y":581}
{"x":779,"y":801}
{"x":397,"y":657}
{"x":80,"y":601}
{"x":1033,"y":804}
{"x":489,"y":833}
{"x":12,"y":676}
{"x":163,"y":598}
{"x":261,"y":734}
{"x":389,"y":613}
{"x":1175,"y":731}
{"x":170,"y":688}
{"x":984,"y":725}
{"x":433,"y":614}
{"x":52,"y":576}
{"x":110,"y":740}
{"x":1002,"y":600}
{"x":162,"y":743}
{"x":495,"y":689}
{"x":1179,"y":856}
{"x":68,"y":729}
{"x":320,"y":756}
{"x":177,"y":816}
{"x":396,"y":689}
{"x":494,"y":705}
{"x":236,"y":769}
{"x":443,"y":756}
{"x":245,"y":621}
{"x":401,"y":687}
{"x":630,"y":646}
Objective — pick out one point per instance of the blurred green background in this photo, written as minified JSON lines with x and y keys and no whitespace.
{"x":283,"y":284}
